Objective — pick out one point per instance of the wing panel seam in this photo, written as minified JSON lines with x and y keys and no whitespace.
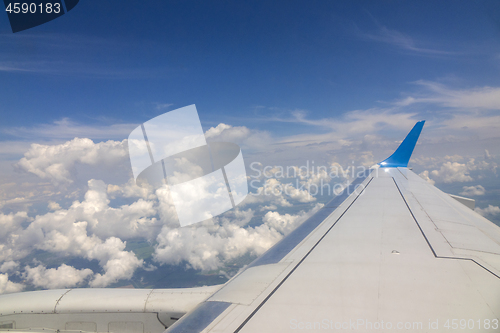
{"x":401,"y":172}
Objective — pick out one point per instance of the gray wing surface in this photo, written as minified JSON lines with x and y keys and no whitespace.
{"x":395,"y":255}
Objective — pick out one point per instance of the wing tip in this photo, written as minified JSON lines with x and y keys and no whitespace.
{"x":402,"y":155}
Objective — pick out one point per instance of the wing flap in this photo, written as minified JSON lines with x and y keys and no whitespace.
{"x":245,"y":288}
{"x":451,"y":229}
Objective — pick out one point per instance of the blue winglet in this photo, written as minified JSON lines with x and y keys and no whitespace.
{"x":400,"y":158}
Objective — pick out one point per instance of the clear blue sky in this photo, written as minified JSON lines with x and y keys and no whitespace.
{"x":112,"y":61}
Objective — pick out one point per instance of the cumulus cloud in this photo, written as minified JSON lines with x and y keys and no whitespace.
{"x":53,"y":205}
{"x":166,"y":207}
{"x":452,"y":172}
{"x":425,"y":176}
{"x":94,"y":230}
{"x":207,"y":246}
{"x":488,"y":211}
{"x":277,"y":186}
{"x":11,"y":223}
{"x":8,"y":266}
{"x":301,"y":195}
{"x":456,"y":168}
{"x":131,"y":190}
{"x":117,"y":263}
{"x":226,"y":132}
{"x":285,"y":223}
{"x":271,"y":192}
{"x":54,"y":278}
{"x":11,"y":226}
{"x":473,"y":190}
{"x":88,"y":229}
{"x":248,"y":139}
{"x":270,"y":207}
{"x":7,"y":286}
{"x":56,"y":162}
{"x":488,"y":164}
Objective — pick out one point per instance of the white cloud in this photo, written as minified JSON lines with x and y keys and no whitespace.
{"x":271,"y":192}
{"x":473,"y":190}
{"x":166,"y":209}
{"x":278,"y":186}
{"x":248,"y":139}
{"x":7,"y":286}
{"x":117,"y":263}
{"x":162,"y":106}
{"x":378,"y":131}
{"x":11,"y":226}
{"x":425,"y":175}
{"x":87,"y":229}
{"x":270,"y":207}
{"x":401,"y":41}
{"x":473,"y":98}
{"x":94,"y":214}
{"x":302,"y":195}
{"x":132,"y":190}
{"x":208,"y":245}
{"x":452,"y":172}
{"x":360,"y":121}
{"x":487,"y":155}
{"x":66,"y":129}
{"x":488,"y":211}
{"x":229,"y":130}
{"x":456,"y":168}
{"x":9,"y":266}
{"x":53,"y":205}
{"x":285,"y":223}
{"x":54,"y":278}
{"x":488,"y":164}
{"x":56,"y":162}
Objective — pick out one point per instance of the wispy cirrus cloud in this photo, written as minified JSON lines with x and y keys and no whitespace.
{"x":359,"y":121}
{"x":486,"y":97}
{"x":17,"y":67}
{"x":67,"y":129}
{"x":162,"y":106}
{"x":80,"y":69}
{"x":402,"y":42}
{"x":74,"y":55}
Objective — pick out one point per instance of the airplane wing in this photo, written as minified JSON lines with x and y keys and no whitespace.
{"x":392,"y":252}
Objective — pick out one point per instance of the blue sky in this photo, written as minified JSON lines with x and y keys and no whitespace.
{"x":115,"y":62}
{"x":335,"y":83}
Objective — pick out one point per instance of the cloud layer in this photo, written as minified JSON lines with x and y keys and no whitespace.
{"x":92,"y":207}
{"x":97,"y":226}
